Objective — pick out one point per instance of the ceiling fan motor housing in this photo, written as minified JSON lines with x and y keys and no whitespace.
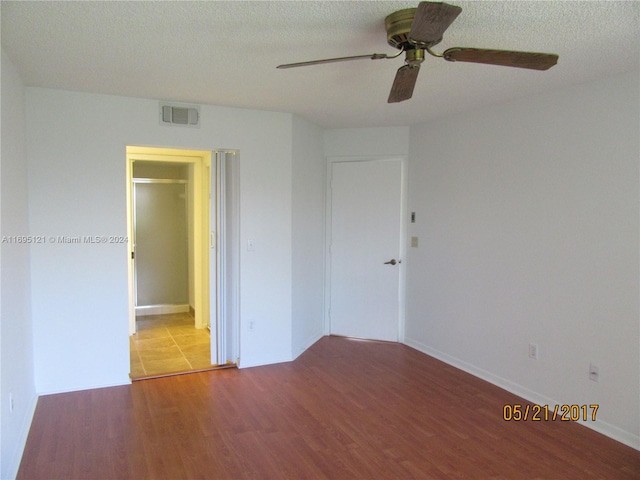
{"x":398,"y":26}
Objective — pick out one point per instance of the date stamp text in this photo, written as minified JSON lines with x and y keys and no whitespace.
{"x":544,"y":413}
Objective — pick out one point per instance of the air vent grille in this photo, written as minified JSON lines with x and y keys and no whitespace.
{"x":182,"y":115}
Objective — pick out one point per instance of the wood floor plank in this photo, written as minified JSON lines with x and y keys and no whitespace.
{"x":344,"y":409}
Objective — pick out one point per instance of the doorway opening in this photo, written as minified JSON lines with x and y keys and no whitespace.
{"x":182,"y":262}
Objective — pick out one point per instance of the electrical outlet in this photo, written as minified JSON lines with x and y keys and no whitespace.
{"x":533,"y":351}
{"x":594,"y":372}
{"x":252,"y":325}
{"x":10,"y":402}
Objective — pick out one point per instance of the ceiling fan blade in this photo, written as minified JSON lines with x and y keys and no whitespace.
{"x":372,"y":56}
{"x":507,"y":58}
{"x":431,"y":20}
{"x":404,"y":83}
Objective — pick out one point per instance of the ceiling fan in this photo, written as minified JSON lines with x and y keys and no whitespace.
{"x":415,"y":31}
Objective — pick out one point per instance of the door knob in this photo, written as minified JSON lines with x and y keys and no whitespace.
{"x":392,"y":262}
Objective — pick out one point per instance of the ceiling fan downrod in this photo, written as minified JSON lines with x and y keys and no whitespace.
{"x":414,"y":57}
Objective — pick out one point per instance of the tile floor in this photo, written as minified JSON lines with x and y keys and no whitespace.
{"x":166,"y":344}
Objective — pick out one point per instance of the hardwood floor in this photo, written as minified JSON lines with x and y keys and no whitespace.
{"x":344,"y":409}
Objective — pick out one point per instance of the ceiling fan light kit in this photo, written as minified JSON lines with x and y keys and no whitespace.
{"x":415,"y":31}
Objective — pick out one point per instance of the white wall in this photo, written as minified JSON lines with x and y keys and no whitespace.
{"x":308,"y":234}
{"x":16,"y":345}
{"x":527,"y":215}
{"x":76,"y":145}
{"x":360,"y":142}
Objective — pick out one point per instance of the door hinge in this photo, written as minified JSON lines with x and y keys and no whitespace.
{"x":133,"y":255}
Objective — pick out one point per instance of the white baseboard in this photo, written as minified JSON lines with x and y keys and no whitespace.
{"x":261,"y":362}
{"x":126,"y":380}
{"x":161,"y":309}
{"x":599,"y":426}
{"x":11,"y":470}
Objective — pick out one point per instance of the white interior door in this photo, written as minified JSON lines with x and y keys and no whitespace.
{"x":226,"y":267}
{"x":366,"y":221}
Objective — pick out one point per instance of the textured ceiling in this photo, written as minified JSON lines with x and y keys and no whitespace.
{"x":225,"y":53}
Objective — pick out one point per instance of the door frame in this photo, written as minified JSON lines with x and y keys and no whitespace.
{"x":200,"y":160}
{"x":403,"y":234}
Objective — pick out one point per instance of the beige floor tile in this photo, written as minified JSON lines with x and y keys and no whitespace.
{"x":137,"y":367}
{"x":199,"y":362}
{"x":169,"y":353}
{"x":133,"y":355}
{"x":148,"y":321}
{"x":181,"y":319}
{"x":197,"y":339}
{"x":153,"y":343}
{"x":196,"y":349}
{"x":168,"y":344}
{"x":155,"y":332}
{"x":137,"y":370}
{"x":186,"y":330}
{"x":155,"y":367}
{"x":164,"y":320}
